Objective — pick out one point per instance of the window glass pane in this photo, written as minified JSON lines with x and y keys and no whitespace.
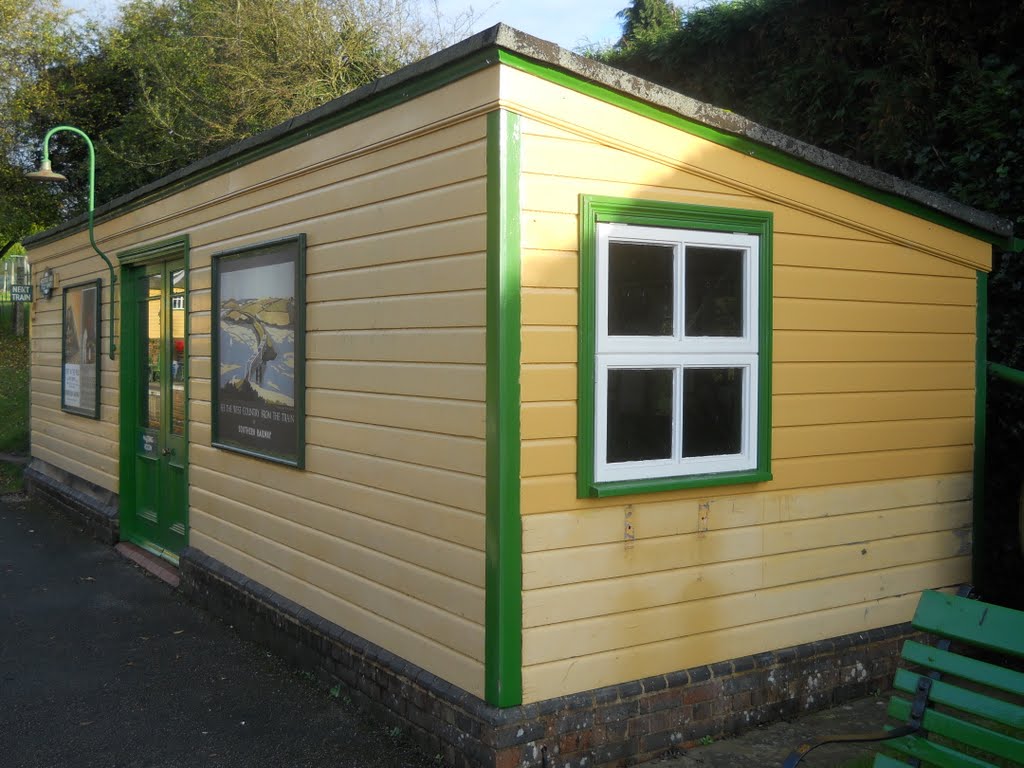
{"x":714,"y":291}
{"x":712,"y":411}
{"x":639,"y":414}
{"x":178,"y":351}
{"x":640,"y":293}
{"x":149,"y":335}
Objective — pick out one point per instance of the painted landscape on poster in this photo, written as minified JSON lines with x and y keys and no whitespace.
{"x":256,"y":354}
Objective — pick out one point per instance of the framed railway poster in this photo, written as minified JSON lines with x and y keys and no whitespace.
{"x":79,"y":351}
{"x":258,"y":388}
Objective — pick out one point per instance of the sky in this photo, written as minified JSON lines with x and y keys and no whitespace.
{"x":569,"y":23}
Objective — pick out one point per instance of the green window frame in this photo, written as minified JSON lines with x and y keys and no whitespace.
{"x":677,"y":222}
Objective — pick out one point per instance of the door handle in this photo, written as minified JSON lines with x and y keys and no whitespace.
{"x":168,"y":451}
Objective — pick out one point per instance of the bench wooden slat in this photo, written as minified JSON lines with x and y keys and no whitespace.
{"x":996,"y":710}
{"x":970,"y":669}
{"x":955,"y":710}
{"x":972,"y":734}
{"x":934,"y":754}
{"x":971,"y":621}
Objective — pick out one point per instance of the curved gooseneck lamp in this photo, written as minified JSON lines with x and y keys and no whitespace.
{"x":46,"y":173}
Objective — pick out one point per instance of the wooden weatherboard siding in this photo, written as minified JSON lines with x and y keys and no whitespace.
{"x":872,"y":417}
{"x":388,"y":540}
{"x":74,"y":444}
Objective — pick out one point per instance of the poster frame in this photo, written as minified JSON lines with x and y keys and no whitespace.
{"x":291,"y":250}
{"x":66,"y":391}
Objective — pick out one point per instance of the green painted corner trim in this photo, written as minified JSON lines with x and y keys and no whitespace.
{"x":503,"y":654}
{"x":596,"y":209}
{"x":748,"y":147}
{"x":980,"y":433}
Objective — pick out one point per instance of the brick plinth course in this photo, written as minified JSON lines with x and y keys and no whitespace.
{"x":86,"y":505}
{"x":613,"y":726}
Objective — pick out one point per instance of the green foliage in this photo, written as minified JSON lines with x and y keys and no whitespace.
{"x":93,"y":93}
{"x":645,"y":22}
{"x":14,"y":377}
{"x":34,"y":36}
{"x":11,"y":478}
{"x":172,"y":81}
{"x":929,"y":90}
{"x":208,"y":73}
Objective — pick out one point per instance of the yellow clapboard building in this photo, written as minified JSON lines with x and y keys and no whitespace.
{"x":578,"y":418}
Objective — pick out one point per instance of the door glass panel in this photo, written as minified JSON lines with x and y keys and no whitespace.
{"x":714,"y":291}
{"x":640,"y":292}
{"x":712,"y":411}
{"x":639,"y":414}
{"x":154,"y":505}
{"x":177,"y":352}
{"x":149,"y":359}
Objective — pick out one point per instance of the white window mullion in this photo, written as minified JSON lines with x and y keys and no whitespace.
{"x":677,"y":415}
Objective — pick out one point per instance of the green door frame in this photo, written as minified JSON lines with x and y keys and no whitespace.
{"x":178,"y":249}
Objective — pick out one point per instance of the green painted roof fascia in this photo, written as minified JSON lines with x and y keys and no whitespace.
{"x":997,"y":231}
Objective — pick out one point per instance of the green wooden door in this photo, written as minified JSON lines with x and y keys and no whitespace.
{"x":154,"y":499}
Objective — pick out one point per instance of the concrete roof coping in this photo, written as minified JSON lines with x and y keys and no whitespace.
{"x":502,"y":36}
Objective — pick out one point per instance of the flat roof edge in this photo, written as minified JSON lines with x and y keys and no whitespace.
{"x":501,"y":36}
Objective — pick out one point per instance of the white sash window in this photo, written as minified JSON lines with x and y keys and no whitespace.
{"x":676,"y":364}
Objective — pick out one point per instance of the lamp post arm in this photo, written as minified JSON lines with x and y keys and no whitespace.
{"x":92,"y":197}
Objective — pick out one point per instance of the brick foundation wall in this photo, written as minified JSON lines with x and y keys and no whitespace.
{"x":613,"y":726}
{"x":89,"y":506}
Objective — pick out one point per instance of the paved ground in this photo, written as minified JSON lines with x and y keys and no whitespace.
{"x":767,"y":747}
{"x":103,"y":665}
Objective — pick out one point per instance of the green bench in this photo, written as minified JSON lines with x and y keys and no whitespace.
{"x":959,"y":702}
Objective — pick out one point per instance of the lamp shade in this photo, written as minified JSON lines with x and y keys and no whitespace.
{"x":45,"y":173}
